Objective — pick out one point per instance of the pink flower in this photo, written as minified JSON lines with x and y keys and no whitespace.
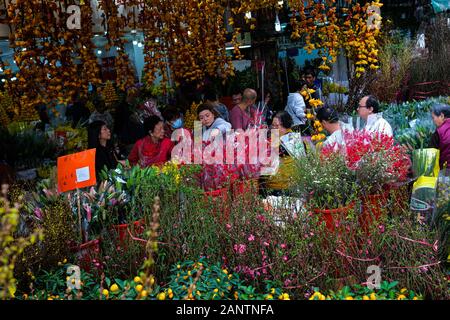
{"x":228,"y":226}
{"x":261,"y":218}
{"x":251,"y":238}
{"x":266,"y":243}
{"x":285,"y":258}
{"x":240,"y":248}
{"x":283,"y":246}
{"x":381,"y":228}
{"x":38,"y":213}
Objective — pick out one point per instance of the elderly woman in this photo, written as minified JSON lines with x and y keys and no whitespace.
{"x":153,"y":149}
{"x":441,"y":138}
{"x":212,"y":124}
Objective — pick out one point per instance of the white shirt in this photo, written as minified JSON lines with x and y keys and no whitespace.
{"x":336,"y":138}
{"x":296,"y":108}
{"x":376,"y":124}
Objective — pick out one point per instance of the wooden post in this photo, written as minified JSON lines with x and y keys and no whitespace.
{"x":83,"y":240}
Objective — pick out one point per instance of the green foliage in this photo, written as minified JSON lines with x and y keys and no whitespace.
{"x":206,"y":281}
{"x":329,"y":182}
{"x":387,"y":291}
{"x":25,"y":147}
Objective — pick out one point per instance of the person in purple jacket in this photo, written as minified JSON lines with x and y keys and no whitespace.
{"x":240,"y":116}
{"x":441,"y":138}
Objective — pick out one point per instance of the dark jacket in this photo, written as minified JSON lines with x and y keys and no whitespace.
{"x":104,"y":156}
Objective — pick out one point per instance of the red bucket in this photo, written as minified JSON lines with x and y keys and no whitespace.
{"x":331,"y":216}
{"x":86,"y":253}
{"x":136,"y":228}
{"x":373,"y":208}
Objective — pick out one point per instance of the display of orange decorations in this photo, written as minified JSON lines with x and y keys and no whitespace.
{"x":54,"y":62}
{"x":355,"y":29}
{"x":109,"y":93}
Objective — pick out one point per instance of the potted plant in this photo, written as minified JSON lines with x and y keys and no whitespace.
{"x":378,"y":163}
{"x":328,"y":186}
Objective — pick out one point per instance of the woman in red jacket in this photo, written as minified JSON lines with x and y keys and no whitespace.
{"x":153,"y":149}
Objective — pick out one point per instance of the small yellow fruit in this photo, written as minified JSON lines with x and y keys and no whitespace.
{"x":162,"y":296}
{"x":139,"y":288}
{"x":366,"y":298}
{"x":137,"y":280}
{"x":114,"y":288}
{"x":105,"y":292}
{"x":144,"y":293}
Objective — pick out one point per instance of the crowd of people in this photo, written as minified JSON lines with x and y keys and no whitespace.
{"x":145,"y":134}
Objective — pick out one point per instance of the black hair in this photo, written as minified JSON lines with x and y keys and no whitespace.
{"x":285,"y":119}
{"x":236,"y":91}
{"x":210,"y":95}
{"x":150,"y":123}
{"x":310,"y":71}
{"x":206,"y":106}
{"x":372,"y":102}
{"x":441,"y":108}
{"x":94,"y":130}
{"x":170,"y":113}
{"x":327,"y":114}
{"x":297,"y":84}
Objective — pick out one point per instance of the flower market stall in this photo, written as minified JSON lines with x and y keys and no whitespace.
{"x":192,"y":227}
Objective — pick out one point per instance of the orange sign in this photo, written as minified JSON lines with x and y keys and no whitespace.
{"x":76,"y":171}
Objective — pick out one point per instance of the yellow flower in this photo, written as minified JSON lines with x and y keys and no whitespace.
{"x":225,"y":271}
{"x":218,"y":280}
{"x":236,"y":295}
{"x":216,"y":290}
{"x":284,"y":296}
{"x":139,"y":288}
{"x":348,"y":298}
{"x":401,"y":297}
{"x":366,"y":298}
{"x":415,"y":298}
{"x":169,"y":291}
{"x":144,"y":293}
{"x":161,"y":296}
{"x":105,"y":292}
{"x":272,"y":291}
{"x":114,"y":288}
{"x":137,"y":280}
{"x":373,"y":296}
{"x":403,"y":290}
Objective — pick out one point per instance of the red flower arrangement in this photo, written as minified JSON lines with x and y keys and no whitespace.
{"x":377,"y":160}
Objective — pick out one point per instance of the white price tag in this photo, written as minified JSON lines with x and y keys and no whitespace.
{"x":83,"y":174}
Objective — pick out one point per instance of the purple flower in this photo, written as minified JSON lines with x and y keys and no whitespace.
{"x":38,"y":213}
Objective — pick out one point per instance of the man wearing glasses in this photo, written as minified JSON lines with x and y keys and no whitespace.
{"x":368,"y":110}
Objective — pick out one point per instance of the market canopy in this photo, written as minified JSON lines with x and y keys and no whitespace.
{"x":440,"y":5}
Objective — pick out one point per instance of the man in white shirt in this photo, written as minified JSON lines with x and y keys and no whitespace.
{"x":296,"y":106}
{"x":368,"y":110}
